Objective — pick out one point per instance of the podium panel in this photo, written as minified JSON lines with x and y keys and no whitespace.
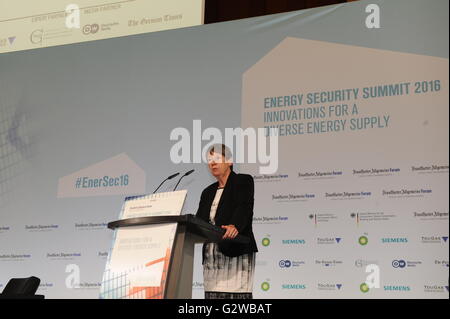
{"x":138,"y":263}
{"x":177,"y":272}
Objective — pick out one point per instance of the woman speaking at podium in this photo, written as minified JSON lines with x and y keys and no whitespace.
{"x":228,"y":267}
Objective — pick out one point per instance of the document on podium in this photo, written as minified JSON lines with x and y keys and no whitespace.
{"x":139,"y":259}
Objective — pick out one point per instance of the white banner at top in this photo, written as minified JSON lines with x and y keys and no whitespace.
{"x":28,"y":24}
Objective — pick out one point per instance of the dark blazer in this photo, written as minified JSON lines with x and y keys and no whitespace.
{"x":235,"y":208}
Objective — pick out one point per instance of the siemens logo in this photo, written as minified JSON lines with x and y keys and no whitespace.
{"x":293,"y":242}
{"x":394,"y":240}
{"x":293,"y":286}
{"x":397,"y":288}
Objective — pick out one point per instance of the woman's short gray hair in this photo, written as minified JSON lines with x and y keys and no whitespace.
{"x":222,"y":149}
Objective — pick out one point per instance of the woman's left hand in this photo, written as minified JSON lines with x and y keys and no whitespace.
{"x":231,"y":232}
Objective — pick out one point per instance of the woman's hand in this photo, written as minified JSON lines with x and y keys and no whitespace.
{"x":231,"y":232}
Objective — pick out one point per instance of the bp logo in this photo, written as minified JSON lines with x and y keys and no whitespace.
{"x":265,"y":286}
{"x":363,"y":240}
{"x":364,"y":288}
{"x":266,"y":242}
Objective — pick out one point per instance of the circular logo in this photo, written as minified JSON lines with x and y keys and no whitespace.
{"x":265,"y":286}
{"x":266,"y":242}
{"x":363,"y":240}
{"x":36,"y":36}
{"x":364,"y":288}
{"x":91,"y":28}
{"x":285,"y":263}
{"x":87,"y":29}
{"x":398,"y":264}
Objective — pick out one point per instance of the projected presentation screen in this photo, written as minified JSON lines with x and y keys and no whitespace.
{"x":350,"y":202}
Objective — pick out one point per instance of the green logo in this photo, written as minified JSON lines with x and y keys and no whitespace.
{"x":364,"y":288}
{"x":363,"y":240}
{"x":266,"y":242}
{"x":265,"y":286}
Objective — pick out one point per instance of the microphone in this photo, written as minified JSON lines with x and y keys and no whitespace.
{"x":170,"y":177}
{"x":185,"y":174}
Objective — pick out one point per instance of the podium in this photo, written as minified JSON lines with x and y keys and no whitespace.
{"x":190,"y":230}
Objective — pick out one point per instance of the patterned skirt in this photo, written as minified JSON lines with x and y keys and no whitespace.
{"x":227,"y":277}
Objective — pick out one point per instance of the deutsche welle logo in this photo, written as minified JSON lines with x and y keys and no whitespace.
{"x":399,"y":263}
{"x":285,"y":263}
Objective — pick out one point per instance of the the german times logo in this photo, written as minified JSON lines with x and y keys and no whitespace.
{"x":286,"y":263}
{"x":394,"y":240}
{"x":328,"y":263}
{"x":434,"y":239}
{"x":396,"y":288}
{"x":401,"y":263}
{"x":328,"y":286}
